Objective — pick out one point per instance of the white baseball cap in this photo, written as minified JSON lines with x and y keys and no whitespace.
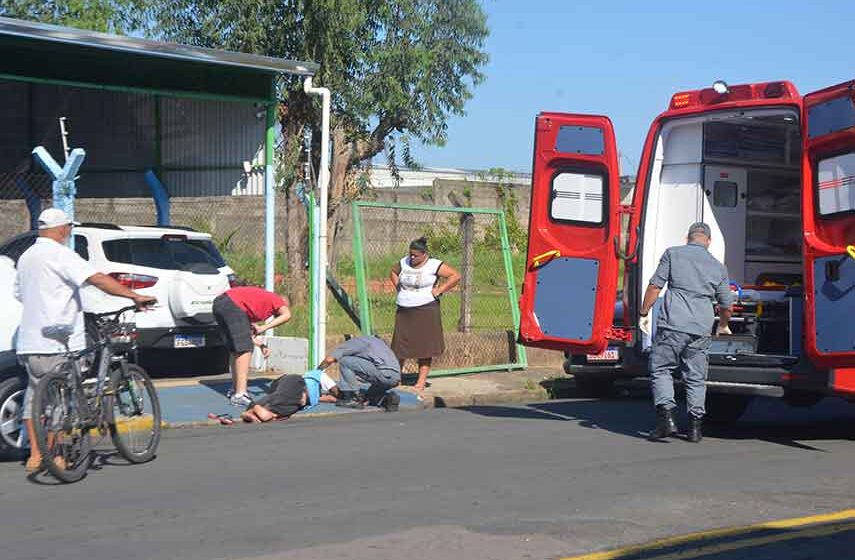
{"x":54,"y":217}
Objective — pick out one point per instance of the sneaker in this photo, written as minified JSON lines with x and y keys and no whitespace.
{"x":391,"y":401}
{"x":240,"y":399}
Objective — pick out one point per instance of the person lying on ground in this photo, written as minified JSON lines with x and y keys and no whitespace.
{"x":366,"y":360}
{"x":286,"y":396}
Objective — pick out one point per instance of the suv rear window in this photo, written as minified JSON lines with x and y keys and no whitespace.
{"x":168,"y":254}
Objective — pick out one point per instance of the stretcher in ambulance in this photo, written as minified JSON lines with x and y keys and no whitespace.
{"x":771,"y":171}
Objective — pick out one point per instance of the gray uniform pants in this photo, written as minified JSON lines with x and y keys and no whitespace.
{"x":688,"y":353}
{"x":356,"y":371}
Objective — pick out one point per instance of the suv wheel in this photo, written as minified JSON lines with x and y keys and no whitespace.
{"x":11,"y":409}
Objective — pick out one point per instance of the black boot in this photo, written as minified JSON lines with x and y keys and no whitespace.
{"x":665,"y":425}
{"x":391,"y":401}
{"x":349,"y":399}
{"x":695,"y":434}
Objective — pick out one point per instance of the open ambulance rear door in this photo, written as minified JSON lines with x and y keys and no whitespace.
{"x":828,"y":210}
{"x":570,"y":284}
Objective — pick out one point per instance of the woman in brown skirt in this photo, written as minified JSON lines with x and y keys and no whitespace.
{"x":418,"y":320}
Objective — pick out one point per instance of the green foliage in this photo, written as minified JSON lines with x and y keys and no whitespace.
{"x":445,"y":239}
{"x":517,"y":236}
{"x":222,"y":242}
{"x":397,"y":69}
{"x":116,"y":16}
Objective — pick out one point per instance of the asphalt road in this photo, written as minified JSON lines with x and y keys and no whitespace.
{"x":541,"y":481}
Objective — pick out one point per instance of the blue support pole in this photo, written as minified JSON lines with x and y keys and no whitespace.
{"x":64,"y":189}
{"x":161,"y":197}
{"x":34,"y":203}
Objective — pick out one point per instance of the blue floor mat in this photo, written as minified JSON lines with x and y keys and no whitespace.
{"x":181,"y":405}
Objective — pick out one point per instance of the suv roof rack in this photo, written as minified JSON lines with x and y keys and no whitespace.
{"x":99,"y":225}
{"x":182,"y":228}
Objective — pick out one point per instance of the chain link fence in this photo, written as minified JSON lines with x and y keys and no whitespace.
{"x":480,"y":317}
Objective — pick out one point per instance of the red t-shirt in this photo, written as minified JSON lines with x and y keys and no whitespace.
{"x":259,"y":304}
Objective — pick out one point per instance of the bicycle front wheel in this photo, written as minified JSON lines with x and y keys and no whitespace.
{"x":135,"y":413}
{"x":60,"y":433}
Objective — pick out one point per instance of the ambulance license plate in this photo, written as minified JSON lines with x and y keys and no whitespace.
{"x":189,"y":341}
{"x":608,"y":355}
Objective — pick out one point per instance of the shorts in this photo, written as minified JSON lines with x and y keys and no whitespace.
{"x":37,"y":366}
{"x":285,"y":396}
{"x":234,"y":325}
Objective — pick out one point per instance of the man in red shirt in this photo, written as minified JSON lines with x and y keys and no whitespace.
{"x":241,"y":314}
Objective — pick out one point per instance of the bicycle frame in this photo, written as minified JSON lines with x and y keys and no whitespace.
{"x":95,"y":418}
{"x":91,"y":417}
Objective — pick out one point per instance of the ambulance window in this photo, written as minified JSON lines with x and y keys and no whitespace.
{"x":580,"y":140}
{"x":832,"y":116}
{"x":725,"y":194}
{"x":578,"y":197}
{"x":836,"y":184}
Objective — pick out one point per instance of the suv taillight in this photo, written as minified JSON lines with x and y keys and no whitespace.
{"x":134,"y":281}
{"x":232,"y":280}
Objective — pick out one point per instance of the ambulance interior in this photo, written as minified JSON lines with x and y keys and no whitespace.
{"x":739,"y":172}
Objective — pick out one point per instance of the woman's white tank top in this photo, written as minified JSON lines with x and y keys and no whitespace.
{"x":415,"y":284}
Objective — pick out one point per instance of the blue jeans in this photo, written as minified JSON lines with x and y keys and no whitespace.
{"x":357,"y":371}
{"x":688,"y":353}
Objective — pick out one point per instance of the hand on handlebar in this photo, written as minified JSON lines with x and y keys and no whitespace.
{"x":142,"y":302}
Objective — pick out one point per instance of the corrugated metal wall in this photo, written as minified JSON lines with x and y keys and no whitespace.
{"x":202,"y":144}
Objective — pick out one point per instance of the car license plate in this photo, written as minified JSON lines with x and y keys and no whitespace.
{"x":189,"y":341}
{"x":607,"y":355}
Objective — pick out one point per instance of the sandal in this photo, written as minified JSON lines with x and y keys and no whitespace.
{"x":224,"y":419}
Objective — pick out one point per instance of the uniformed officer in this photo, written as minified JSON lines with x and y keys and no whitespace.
{"x":684,"y":324}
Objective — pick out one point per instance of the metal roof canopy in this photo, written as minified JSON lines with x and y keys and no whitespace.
{"x":41,"y":53}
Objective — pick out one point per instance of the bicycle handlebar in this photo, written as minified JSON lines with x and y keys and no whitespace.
{"x":117,"y":312}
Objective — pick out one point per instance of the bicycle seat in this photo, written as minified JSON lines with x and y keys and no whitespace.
{"x":59,"y":333}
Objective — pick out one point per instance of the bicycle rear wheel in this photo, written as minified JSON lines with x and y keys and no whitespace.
{"x":135,"y":413}
{"x":61,"y":436}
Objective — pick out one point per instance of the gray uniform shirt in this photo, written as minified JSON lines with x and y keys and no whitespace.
{"x":370,"y":348}
{"x":695,"y":280}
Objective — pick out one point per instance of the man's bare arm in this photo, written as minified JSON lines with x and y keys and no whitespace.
{"x":111,"y":286}
{"x":650,"y":297}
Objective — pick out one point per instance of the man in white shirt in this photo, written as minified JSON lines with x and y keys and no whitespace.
{"x":48,"y":284}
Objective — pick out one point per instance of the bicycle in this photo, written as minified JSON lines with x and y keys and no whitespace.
{"x":67,"y":406}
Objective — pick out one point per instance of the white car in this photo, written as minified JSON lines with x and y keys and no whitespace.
{"x":12,"y":377}
{"x":181,"y":268}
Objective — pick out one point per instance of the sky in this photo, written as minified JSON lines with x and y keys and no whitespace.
{"x":625,"y":59}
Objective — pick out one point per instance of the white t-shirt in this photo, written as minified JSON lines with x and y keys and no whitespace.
{"x":48,"y":285}
{"x":415,"y":285}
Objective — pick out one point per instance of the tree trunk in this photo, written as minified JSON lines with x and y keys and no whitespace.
{"x":467,"y":272}
{"x":297,"y":249}
{"x":339,"y":197}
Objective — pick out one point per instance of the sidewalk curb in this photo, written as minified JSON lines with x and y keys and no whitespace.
{"x":431,"y":401}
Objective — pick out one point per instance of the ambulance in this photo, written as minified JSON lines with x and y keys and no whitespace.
{"x":771,"y":171}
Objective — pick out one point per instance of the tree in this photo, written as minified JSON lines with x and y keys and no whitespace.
{"x":397,"y":69}
{"x":96,"y":15}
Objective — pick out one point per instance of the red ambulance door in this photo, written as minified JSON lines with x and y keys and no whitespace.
{"x":570,"y":284}
{"x":828,"y":211}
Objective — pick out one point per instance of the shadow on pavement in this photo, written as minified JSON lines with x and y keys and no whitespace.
{"x":621,"y":417}
{"x":627,"y":411}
